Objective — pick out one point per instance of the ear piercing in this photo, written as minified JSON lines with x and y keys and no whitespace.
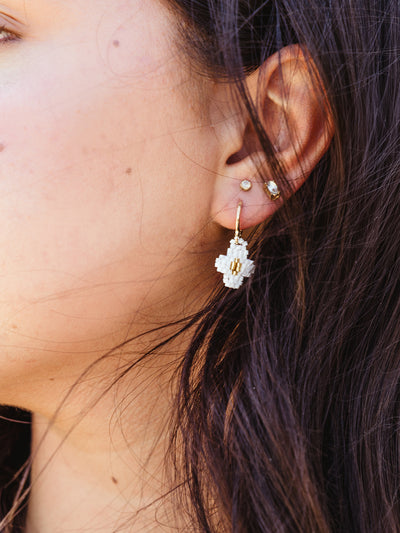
{"x":271,"y":188}
{"x":246,"y":185}
{"x":234,"y":265}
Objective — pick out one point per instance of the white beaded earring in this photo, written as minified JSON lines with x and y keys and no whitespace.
{"x":234,"y":265}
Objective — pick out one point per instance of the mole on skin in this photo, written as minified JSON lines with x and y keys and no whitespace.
{"x":116,"y":43}
{"x":1,"y":147}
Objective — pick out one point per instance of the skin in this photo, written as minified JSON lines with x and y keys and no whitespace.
{"x":99,"y":146}
{"x":119,"y":177}
{"x":106,"y":167}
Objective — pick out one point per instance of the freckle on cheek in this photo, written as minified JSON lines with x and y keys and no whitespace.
{"x":2,"y":147}
{"x":128,"y":171}
{"x":116,"y":43}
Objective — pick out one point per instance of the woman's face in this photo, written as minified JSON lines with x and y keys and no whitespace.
{"x":105,"y":181}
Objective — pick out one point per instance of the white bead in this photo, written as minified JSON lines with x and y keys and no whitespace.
{"x":234,"y":265}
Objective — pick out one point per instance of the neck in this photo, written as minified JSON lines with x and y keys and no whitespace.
{"x":103,"y":468}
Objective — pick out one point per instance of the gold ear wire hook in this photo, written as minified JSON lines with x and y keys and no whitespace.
{"x":237,"y":230}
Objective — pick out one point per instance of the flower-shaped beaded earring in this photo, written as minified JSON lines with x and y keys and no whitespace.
{"x":234,"y":265}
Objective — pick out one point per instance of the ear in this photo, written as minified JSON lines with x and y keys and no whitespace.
{"x":292,"y":107}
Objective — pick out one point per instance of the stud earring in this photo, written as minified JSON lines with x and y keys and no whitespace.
{"x":234,"y":265}
{"x":246,"y":185}
{"x":271,"y":188}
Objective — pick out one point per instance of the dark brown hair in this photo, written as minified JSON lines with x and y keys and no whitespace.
{"x":289,"y":399}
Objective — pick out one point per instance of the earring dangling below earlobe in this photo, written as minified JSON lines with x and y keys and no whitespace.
{"x":234,"y":265}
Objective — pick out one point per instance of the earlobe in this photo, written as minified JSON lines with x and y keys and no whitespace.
{"x":291,"y":106}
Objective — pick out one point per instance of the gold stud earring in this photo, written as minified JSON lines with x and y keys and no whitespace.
{"x":234,"y":265}
{"x":246,"y":185}
{"x":271,"y":188}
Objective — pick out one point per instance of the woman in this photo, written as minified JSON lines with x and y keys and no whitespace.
{"x":137,"y":139}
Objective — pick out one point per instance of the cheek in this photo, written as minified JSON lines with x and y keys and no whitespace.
{"x":71,"y":128}
{"x":98,"y":185}
{"x":58,"y":189}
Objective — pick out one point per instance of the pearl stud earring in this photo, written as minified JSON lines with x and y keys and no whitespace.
{"x":246,"y":185}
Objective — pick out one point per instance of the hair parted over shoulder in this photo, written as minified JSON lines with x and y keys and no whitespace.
{"x":290,"y":394}
{"x":288,"y":406}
